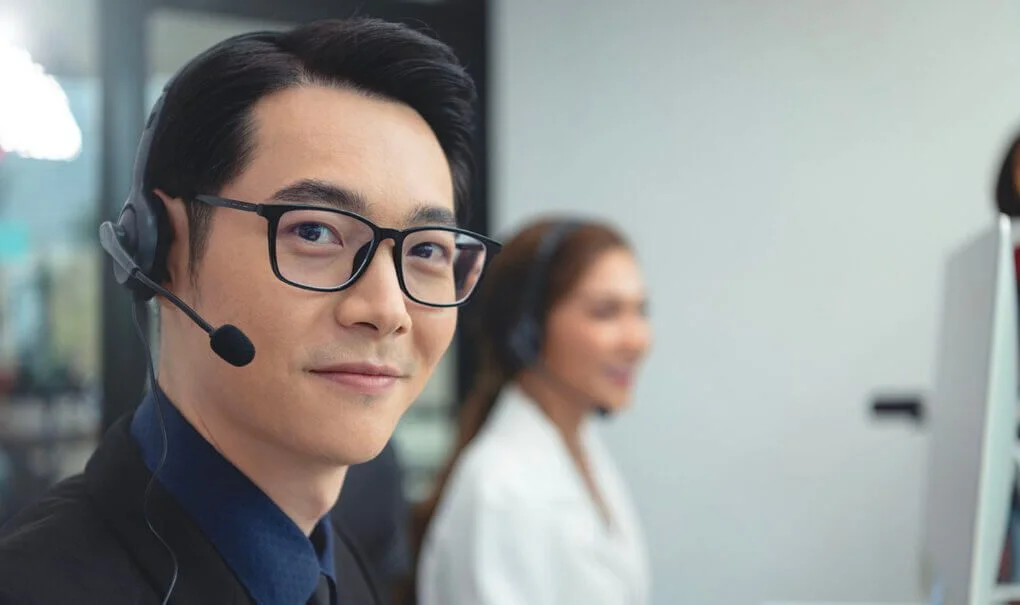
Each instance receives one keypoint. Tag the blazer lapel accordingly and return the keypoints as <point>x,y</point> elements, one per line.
<point>356,585</point>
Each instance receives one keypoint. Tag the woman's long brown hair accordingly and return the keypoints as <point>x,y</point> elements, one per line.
<point>495,311</point>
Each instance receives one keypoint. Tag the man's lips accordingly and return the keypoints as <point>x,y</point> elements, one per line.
<point>363,378</point>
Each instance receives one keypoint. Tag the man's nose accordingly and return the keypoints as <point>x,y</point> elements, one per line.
<point>375,301</point>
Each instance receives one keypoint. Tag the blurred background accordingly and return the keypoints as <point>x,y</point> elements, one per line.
<point>793,174</point>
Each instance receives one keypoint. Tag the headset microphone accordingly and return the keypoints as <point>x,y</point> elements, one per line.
<point>227,341</point>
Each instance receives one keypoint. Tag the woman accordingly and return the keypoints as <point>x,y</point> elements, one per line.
<point>531,509</point>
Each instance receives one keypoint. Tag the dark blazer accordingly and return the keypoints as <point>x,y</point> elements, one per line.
<point>86,542</point>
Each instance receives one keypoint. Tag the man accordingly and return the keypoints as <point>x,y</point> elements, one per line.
<point>305,184</point>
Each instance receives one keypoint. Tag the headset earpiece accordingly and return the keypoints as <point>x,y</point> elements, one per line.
<point>143,228</point>
<point>525,342</point>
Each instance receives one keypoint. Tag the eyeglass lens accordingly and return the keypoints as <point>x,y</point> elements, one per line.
<point>321,249</point>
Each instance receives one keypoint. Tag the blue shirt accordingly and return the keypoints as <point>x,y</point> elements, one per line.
<point>274,560</point>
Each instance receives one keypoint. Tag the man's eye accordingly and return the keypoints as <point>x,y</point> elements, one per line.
<point>430,251</point>
<point>316,233</point>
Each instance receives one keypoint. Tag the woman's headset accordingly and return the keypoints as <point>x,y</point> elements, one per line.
<point>524,340</point>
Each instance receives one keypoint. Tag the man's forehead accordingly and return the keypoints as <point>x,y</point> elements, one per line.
<point>301,112</point>
<point>342,149</point>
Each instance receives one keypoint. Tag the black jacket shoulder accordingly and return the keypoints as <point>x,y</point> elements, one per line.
<point>60,551</point>
<point>87,541</point>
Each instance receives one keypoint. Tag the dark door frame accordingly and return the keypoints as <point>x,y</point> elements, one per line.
<point>123,44</point>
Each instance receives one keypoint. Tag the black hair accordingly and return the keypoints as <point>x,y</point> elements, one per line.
<point>205,138</point>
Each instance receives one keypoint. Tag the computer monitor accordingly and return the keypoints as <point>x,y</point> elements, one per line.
<point>973,422</point>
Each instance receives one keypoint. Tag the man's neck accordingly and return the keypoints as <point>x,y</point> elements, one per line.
<point>305,490</point>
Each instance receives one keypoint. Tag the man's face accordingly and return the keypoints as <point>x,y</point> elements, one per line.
<point>296,393</point>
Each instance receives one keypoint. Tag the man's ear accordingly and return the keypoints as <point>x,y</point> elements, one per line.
<point>177,258</point>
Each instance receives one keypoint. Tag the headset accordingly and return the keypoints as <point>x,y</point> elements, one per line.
<point>524,341</point>
<point>138,244</point>
<point>140,239</point>
<point>525,337</point>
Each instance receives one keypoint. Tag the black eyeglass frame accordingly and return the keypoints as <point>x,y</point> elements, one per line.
<point>273,212</point>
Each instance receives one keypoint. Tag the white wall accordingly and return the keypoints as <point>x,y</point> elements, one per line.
<point>794,174</point>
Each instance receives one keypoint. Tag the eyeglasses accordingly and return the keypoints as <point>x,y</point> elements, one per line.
<point>327,250</point>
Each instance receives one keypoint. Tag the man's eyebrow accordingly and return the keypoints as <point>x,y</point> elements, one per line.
<point>322,193</point>
<point>428,214</point>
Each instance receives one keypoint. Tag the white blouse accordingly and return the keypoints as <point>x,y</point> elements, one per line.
<point>517,525</point>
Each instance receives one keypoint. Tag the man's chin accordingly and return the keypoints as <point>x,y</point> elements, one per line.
<point>350,427</point>
<point>355,451</point>
<point>355,437</point>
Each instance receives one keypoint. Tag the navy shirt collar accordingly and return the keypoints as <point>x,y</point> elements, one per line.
<point>268,552</point>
